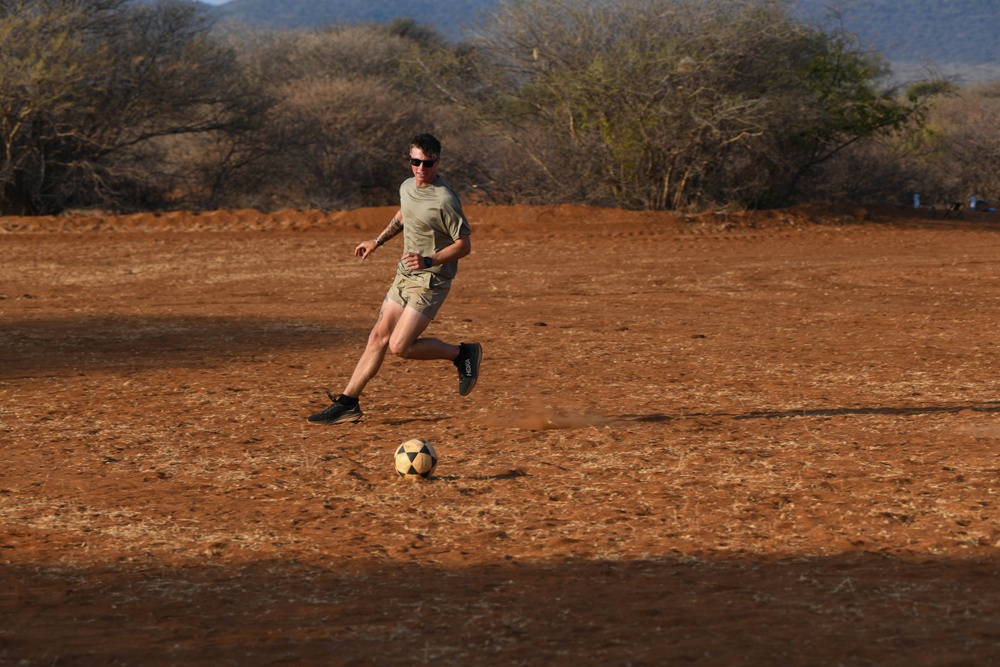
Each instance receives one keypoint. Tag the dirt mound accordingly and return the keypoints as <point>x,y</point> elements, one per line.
<point>372,218</point>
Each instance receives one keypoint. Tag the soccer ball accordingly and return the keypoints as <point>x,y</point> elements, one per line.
<point>416,458</point>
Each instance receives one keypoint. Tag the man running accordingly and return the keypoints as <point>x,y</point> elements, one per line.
<point>435,236</point>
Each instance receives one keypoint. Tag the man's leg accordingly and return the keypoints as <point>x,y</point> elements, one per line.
<point>378,343</point>
<point>345,407</point>
<point>398,329</point>
<point>406,343</point>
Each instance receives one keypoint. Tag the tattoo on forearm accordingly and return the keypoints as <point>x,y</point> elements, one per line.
<point>395,227</point>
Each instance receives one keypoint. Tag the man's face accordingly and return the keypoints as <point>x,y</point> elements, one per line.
<point>422,171</point>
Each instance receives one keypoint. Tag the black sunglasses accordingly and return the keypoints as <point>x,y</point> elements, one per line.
<point>427,163</point>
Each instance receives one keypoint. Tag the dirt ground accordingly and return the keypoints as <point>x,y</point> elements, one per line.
<point>725,439</point>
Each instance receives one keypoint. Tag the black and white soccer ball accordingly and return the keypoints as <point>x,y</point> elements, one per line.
<point>416,459</point>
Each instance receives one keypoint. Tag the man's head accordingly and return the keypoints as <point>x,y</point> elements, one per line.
<point>425,155</point>
<point>428,144</point>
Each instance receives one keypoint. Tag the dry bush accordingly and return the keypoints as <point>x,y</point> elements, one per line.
<point>359,132</point>
<point>344,52</point>
<point>954,155</point>
<point>91,91</point>
<point>345,102</point>
<point>963,147</point>
<point>880,170</point>
<point>326,144</point>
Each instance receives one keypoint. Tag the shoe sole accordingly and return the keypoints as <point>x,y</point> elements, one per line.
<point>478,363</point>
<point>344,419</point>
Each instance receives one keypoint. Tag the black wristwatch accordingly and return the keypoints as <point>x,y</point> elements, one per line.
<point>428,262</point>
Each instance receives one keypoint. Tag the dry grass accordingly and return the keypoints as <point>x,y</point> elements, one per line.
<point>712,448</point>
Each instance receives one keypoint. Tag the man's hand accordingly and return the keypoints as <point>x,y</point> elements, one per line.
<point>413,261</point>
<point>365,249</point>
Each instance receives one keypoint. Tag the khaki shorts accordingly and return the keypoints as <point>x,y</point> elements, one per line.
<point>416,294</point>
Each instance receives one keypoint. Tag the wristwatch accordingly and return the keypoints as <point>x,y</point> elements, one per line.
<point>428,262</point>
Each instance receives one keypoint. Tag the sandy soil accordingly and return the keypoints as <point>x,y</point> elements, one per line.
<point>752,439</point>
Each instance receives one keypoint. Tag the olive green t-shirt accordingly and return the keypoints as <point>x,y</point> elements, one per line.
<point>432,220</point>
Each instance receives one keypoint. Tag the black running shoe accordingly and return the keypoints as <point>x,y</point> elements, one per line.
<point>337,413</point>
<point>470,356</point>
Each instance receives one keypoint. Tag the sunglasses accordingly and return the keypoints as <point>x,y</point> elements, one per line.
<point>426,163</point>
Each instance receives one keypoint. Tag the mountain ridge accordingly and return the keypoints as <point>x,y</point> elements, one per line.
<point>919,32</point>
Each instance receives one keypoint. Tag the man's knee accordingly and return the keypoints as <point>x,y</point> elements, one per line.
<point>378,339</point>
<point>401,348</point>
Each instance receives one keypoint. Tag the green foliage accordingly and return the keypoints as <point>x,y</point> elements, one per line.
<point>674,104</point>
<point>929,89</point>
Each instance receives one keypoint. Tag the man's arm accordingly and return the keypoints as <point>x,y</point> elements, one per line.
<point>451,253</point>
<point>395,226</point>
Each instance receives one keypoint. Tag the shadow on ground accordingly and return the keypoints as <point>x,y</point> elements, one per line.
<point>854,609</point>
<point>987,406</point>
<point>56,346</point>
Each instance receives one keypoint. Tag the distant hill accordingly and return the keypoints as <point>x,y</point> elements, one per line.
<point>915,32</point>
<point>939,31</point>
<point>447,17</point>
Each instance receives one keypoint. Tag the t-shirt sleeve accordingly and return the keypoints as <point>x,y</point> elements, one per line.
<point>454,218</point>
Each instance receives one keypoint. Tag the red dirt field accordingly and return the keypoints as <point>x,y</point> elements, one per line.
<point>726,439</point>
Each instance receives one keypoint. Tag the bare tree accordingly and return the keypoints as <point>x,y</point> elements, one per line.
<point>89,90</point>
